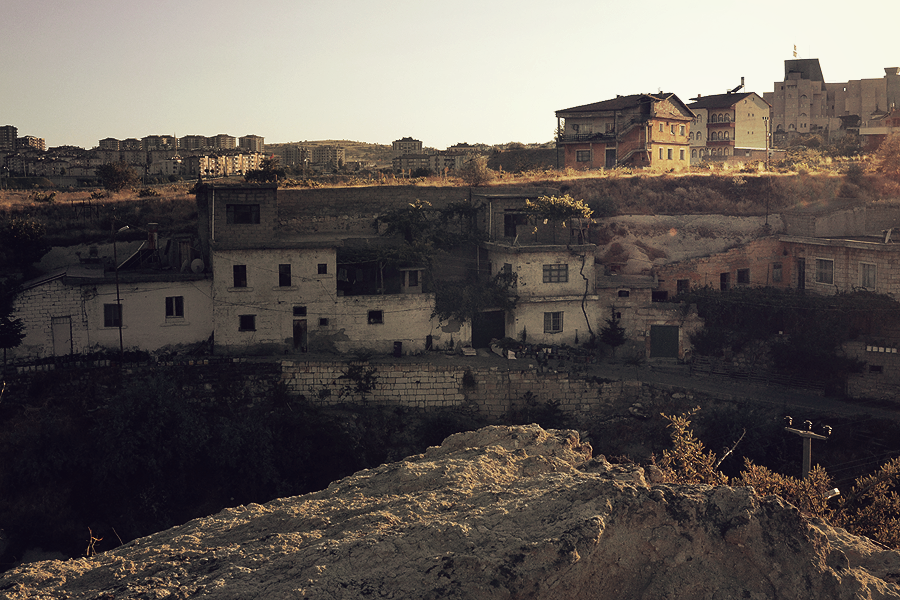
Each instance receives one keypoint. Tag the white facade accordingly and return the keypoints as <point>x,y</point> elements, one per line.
<point>66,313</point>
<point>552,282</point>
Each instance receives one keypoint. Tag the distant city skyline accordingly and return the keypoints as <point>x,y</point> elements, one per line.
<point>479,72</point>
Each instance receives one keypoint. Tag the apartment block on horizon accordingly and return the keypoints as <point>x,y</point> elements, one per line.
<point>637,131</point>
<point>253,143</point>
<point>405,145</point>
<point>8,136</point>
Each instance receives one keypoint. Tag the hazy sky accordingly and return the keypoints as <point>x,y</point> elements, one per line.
<point>493,71</point>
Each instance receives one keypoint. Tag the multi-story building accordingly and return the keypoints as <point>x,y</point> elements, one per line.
<point>192,142</point>
<point>29,141</point>
<point>405,145</point>
<point>109,144</point>
<point>803,103</point>
<point>732,126</point>
<point>159,142</point>
<point>8,137</point>
<point>434,163</point>
<point>328,156</point>
<point>223,141</point>
<point>253,143</point>
<point>293,156</point>
<point>131,144</point>
<point>641,130</point>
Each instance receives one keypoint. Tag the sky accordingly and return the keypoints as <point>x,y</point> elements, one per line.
<point>479,71</point>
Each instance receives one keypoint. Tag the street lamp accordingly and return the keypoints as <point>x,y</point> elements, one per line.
<point>118,298</point>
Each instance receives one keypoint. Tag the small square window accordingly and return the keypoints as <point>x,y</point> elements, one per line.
<point>743,276</point>
<point>583,156</point>
<point>376,317</point>
<point>323,268</point>
<point>242,214</point>
<point>284,275</point>
<point>299,311</point>
<point>112,315</point>
<point>240,275</point>
<point>323,322</point>
<point>556,273</point>
<point>246,322</point>
<point>553,322</point>
<point>624,293</point>
<point>175,306</point>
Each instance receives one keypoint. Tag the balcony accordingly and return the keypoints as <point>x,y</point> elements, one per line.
<point>586,137</point>
<point>722,125</point>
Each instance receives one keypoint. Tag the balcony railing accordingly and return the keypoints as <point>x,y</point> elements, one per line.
<point>587,137</point>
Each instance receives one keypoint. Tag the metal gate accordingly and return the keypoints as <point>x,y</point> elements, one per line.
<point>663,341</point>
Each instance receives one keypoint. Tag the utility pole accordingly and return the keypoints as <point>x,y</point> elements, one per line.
<point>808,436</point>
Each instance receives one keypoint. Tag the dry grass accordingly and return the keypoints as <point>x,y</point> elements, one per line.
<point>75,218</point>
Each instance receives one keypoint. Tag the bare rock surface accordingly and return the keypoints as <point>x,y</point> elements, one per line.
<point>502,512</point>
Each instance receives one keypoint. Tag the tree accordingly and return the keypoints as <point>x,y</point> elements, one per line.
<point>23,242</point>
<point>268,171</point>
<point>117,176</point>
<point>613,334</point>
<point>558,210</point>
<point>476,172</point>
<point>888,156</point>
<point>12,329</point>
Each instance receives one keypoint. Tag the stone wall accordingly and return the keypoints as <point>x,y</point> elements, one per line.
<point>493,392</point>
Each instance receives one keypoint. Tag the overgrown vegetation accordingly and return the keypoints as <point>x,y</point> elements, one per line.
<point>871,508</point>
<point>805,331</point>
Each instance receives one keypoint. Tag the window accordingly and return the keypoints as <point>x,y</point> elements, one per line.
<point>624,293</point>
<point>672,129</point>
<point>660,154</point>
<point>693,153</point>
<point>699,136</point>
<point>583,155</point>
<point>246,322</point>
<point>376,317</point>
<point>413,279</point>
<point>242,214</point>
<point>683,286</point>
<point>682,130</point>
<point>743,276</point>
<point>323,268</point>
<point>112,315</point>
<point>610,128</point>
<point>323,322</point>
<point>284,275</point>
<point>660,127</point>
<point>669,154</point>
<point>553,322</point>
<point>681,154</point>
<point>867,276</point>
<point>240,276</point>
<point>776,273</point>
<point>175,306</point>
<point>824,271</point>
<point>299,311</point>
<point>556,273</point>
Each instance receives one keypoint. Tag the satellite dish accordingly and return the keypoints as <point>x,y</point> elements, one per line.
<point>197,265</point>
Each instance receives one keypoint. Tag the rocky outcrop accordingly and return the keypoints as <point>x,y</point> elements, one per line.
<point>502,512</point>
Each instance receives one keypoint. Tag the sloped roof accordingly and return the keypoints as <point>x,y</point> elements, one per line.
<point>720,100</point>
<point>623,102</point>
